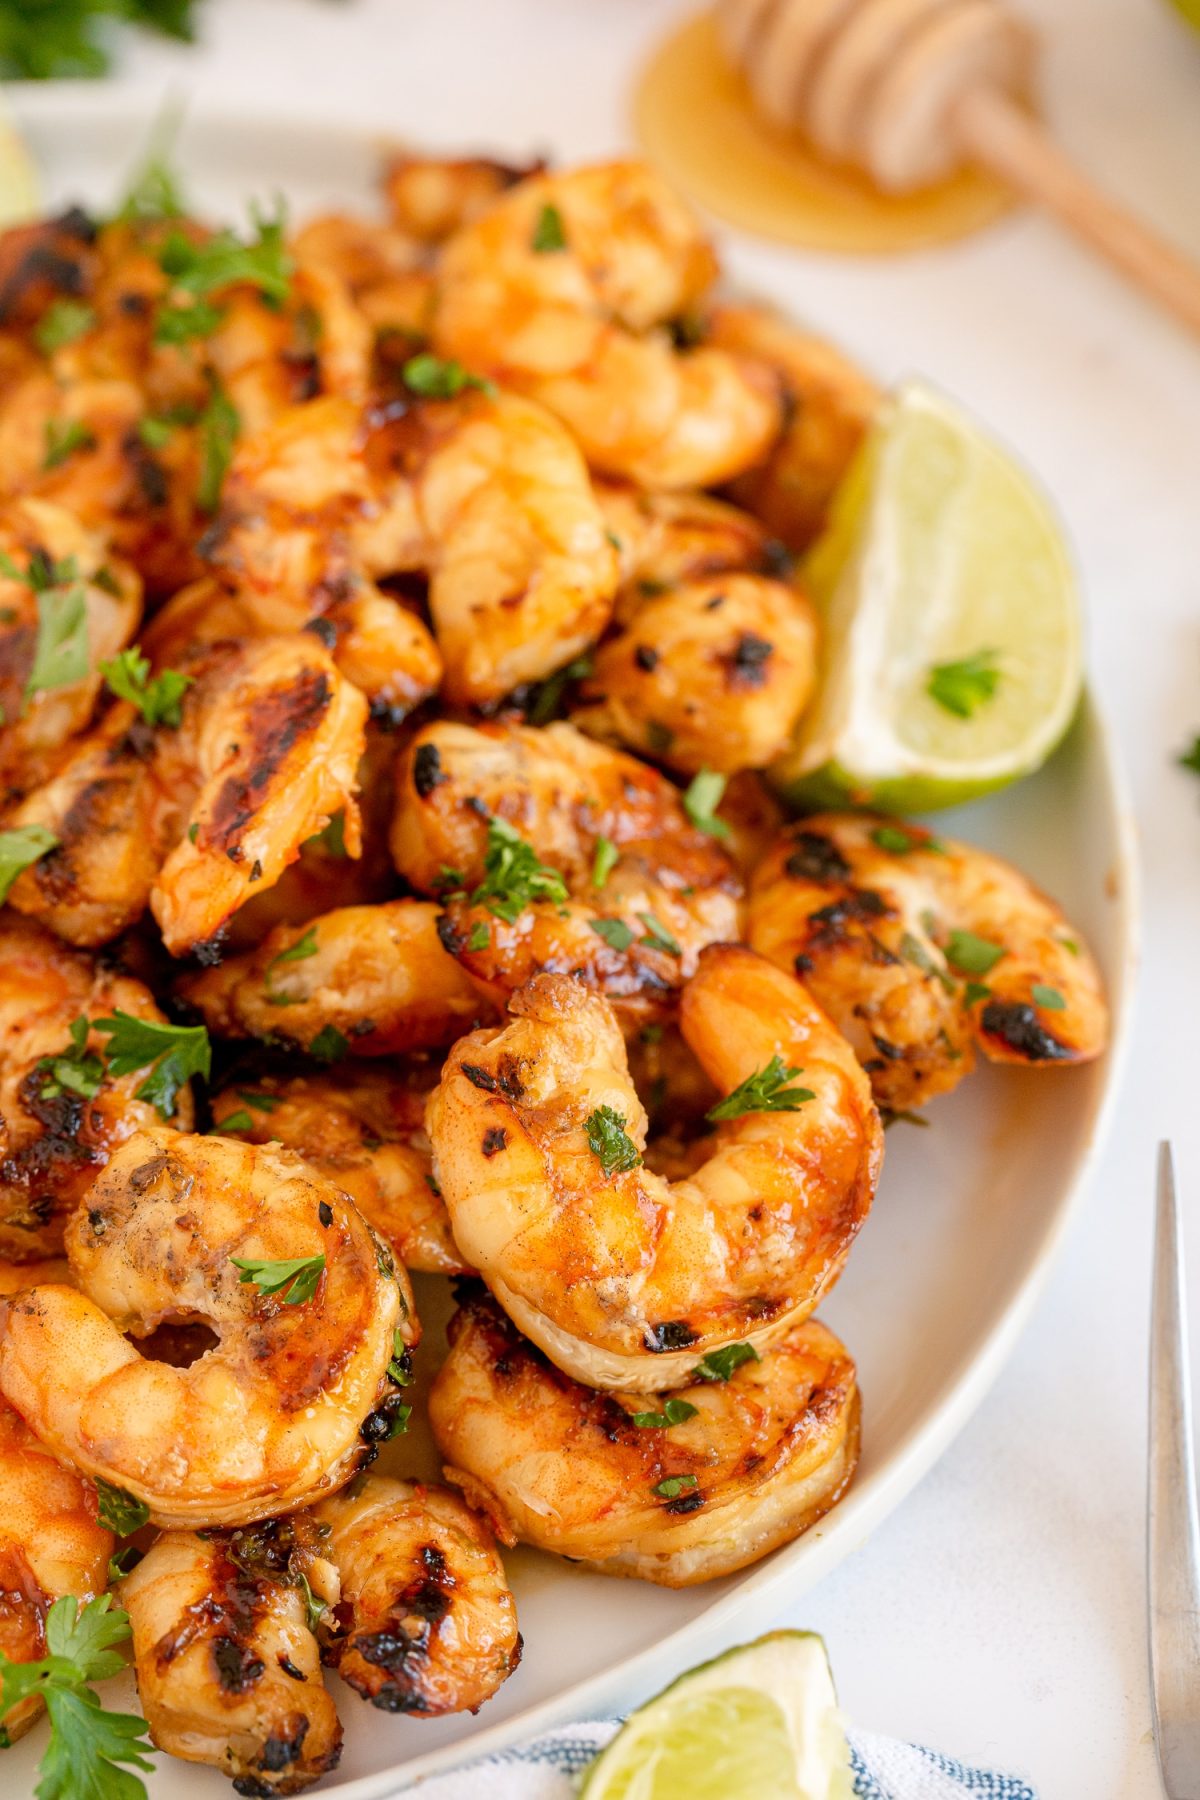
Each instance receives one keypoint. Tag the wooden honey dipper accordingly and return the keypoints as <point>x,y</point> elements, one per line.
<point>907,90</point>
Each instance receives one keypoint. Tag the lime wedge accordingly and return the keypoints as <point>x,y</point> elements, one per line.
<point>759,1723</point>
<point>952,661</point>
<point>20,197</point>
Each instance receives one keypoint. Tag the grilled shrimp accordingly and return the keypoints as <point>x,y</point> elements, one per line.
<point>426,1623</point>
<point>429,197</point>
<point>612,1480</point>
<point>665,539</point>
<point>53,572</point>
<point>376,977</point>
<point>634,930</point>
<point>364,1129</point>
<point>920,948</point>
<point>561,290</point>
<point>62,1114</point>
<point>712,673</point>
<point>830,403</point>
<point>51,1544</point>
<point>197,820</point>
<point>287,1403</point>
<point>623,1279</point>
<point>228,1669</point>
<point>486,494</point>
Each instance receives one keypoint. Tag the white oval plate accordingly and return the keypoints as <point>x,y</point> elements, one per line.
<point>969,1211</point>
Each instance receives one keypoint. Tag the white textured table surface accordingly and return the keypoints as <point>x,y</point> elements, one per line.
<point>998,1614</point>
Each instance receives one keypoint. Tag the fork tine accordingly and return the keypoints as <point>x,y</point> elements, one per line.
<point>1173,1587</point>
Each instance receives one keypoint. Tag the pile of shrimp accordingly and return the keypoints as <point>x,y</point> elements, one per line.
<point>397,619</point>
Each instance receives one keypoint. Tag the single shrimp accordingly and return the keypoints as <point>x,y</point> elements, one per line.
<point>62,1113</point>
<point>364,1129</point>
<point>714,673</point>
<point>196,820</point>
<point>562,290</point>
<point>829,405</point>
<point>615,1480</point>
<point>623,1279</point>
<point>375,977</point>
<point>631,923</point>
<point>51,1544</point>
<point>289,1402</point>
<point>665,539</point>
<point>228,1667</point>
<point>920,948</point>
<point>426,1623</point>
<point>66,606</point>
<point>429,197</point>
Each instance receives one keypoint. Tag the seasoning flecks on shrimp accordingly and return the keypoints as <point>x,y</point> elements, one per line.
<point>623,1279</point>
<point>288,1403</point>
<point>741,1462</point>
<point>62,1112</point>
<point>362,1127</point>
<point>579,324</point>
<point>425,1623</point>
<point>921,948</point>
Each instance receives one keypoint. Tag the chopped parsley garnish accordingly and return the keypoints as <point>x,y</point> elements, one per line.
<point>122,1561</point>
<point>1190,759</point>
<point>513,877</point>
<point>674,1412</point>
<point>399,1421</point>
<point>963,687</point>
<point>701,800</point>
<point>260,1102</point>
<point>219,425</point>
<point>609,1141</point>
<point>221,261</point>
<point>898,841</point>
<point>154,432</point>
<point>294,1281</point>
<point>764,1091</point>
<point>62,322</point>
<point>304,947</point>
<point>615,932</point>
<point>314,1609</point>
<point>658,937</point>
<point>546,698</point>
<point>481,936</point>
<point>437,379</point>
<point>20,847</point>
<point>671,1485</point>
<point>329,1046</point>
<point>1071,946</point>
<point>605,858</point>
<point>120,1511</point>
<point>719,1365</point>
<point>972,955</point>
<point>548,233</point>
<point>63,438</point>
<point>77,1070</point>
<point>974,991</point>
<point>87,1745</point>
<point>179,324</point>
<point>239,1120</point>
<point>60,655</point>
<point>172,1053</point>
<point>400,1366</point>
<point>1048,998</point>
<point>154,194</point>
<point>157,698</point>
<point>915,952</point>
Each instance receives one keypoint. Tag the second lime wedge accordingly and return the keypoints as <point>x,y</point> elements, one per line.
<point>952,660</point>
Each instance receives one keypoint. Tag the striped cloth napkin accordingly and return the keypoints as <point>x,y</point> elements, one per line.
<point>884,1769</point>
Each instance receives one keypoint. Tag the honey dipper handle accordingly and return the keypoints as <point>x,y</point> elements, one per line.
<point>999,135</point>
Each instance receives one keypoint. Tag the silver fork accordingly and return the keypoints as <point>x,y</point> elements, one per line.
<point>1172,1578</point>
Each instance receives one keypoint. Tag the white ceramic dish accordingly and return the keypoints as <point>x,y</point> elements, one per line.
<point>969,1212</point>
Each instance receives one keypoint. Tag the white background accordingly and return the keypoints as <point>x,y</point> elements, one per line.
<point>999,1614</point>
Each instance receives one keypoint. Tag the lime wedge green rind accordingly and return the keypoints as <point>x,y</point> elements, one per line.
<point>760,1722</point>
<point>940,547</point>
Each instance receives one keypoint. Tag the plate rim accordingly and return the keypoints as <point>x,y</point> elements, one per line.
<point>136,105</point>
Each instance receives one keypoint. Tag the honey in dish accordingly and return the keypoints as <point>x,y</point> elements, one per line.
<point>696,121</point>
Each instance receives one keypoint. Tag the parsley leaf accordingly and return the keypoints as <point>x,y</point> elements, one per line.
<point>219,425</point>
<point>914,951</point>
<point>615,932</point>
<point>70,37</point>
<point>1048,998</point>
<point>481,936</point>
<point>77,1070</point>
<point>671,1485</point>
<point>1190,759</point>
<point>60,655</point>
<point>224,260</point>
<point>329,1046</point>
<point>674,1412</point>
<point>972,955</point>
<point>172,1054</point>
<point>63,438</point>
<point>239,1120</point>
<point>300,951</point>
<point>260,1102</point>
<point>314,1609</point>
<point>513,877</point>
<point>658,937</point>
<point>975,991</point>
<point>119,1510</point>
<point>546,698</point>
<point>178,323</point>
<point>62,322</point>
<point>298,1276</point>
<point>400,1366</point>
<point>963,687</point>
<point>548,233</point>
<point>898,840</point>
<point>158,699</point>
<point>153,195</point>
<point>605,858</point>
<point>719,1365</point>
<point>20,847</point>
<point>609,1141</point>
<point>436,379</point>
<point>701,801</point>
<point>764,1091</point>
